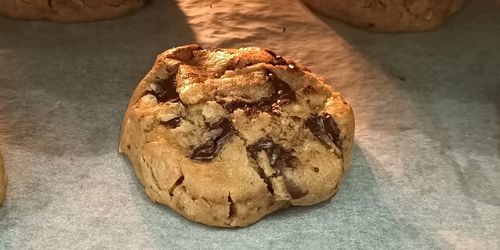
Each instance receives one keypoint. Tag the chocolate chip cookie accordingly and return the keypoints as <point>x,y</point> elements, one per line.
<point>68,10</point>
<point>3,180</point>
<point>389,16</point>
<point>226,136</point>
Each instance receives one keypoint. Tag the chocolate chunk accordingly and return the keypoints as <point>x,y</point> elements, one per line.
<point>279,157</point>
<point>177,183</point>
<point>165,90</point>
<point>278,60</point>
<point>232,106</point>
<point>208,150</point>
<point>267,180</point>
<point>282,95</point>
<point>270,52</point>
<point>172,123</point>
<point>205,152</point>
<point>325,129</point>
<point>232,207</point>
<point>293,66</point>
<point>250,111</point>
<point>293,189</point>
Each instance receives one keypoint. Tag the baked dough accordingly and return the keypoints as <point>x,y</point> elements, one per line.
<point>389,15</point>
<point>68,10</point>
<point>227,136</point>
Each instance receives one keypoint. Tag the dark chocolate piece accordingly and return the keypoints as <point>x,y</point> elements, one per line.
<point>278,60</point>
<point>172,123</point>
<point>267,180</point>
<point>325,129</point>
<point>250,111</point>
<point>208,150</point>
<point>270,52</point>
<point>232,207</point>
<point>165,90</point>
<point>293,189</point>
<point>176,184</point>
<point>282,95</point>
<point>279,157</point>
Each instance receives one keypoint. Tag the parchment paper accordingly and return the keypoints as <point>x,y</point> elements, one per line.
<point>426,167</point>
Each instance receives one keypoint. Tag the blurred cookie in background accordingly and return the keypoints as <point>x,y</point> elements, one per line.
<point>68,10</point>
<point>389,16</point>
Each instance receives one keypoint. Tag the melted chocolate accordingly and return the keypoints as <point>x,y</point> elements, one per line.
<point>280,61</point>
<point>267,180</point>
<point>282,94</point>
<point>325,129</point>
<point>165,90</point>
<point>208,150</point>
<point>271,52</point>
<point>250,111</point>
<point>293,189</point>
<point>173,123</point>
<point>277,60</point>
<point>279,157</point>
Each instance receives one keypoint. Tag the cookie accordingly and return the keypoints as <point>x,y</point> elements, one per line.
<point>3,181</point>
<point>68,10</point>
<point>226,136</point>
<point>389,16</point>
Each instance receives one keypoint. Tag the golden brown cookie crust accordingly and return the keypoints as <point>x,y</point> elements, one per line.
<point>68,10</point>
<point>231,142</point>
<point>389,16</point>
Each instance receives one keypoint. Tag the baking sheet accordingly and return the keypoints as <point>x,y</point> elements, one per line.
<point>426,165</point>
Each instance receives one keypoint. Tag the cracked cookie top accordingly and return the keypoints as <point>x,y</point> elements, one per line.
<point>245,116</point>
